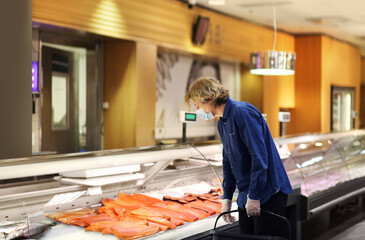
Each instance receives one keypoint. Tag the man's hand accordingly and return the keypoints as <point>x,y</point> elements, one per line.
<point>226,206</point>
<point>253,207</point>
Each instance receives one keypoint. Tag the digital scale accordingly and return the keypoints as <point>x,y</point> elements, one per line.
<point>184,118</point>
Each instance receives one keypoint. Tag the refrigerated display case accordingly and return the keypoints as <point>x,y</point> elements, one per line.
<point>328,167</point>
<point>323,169</point>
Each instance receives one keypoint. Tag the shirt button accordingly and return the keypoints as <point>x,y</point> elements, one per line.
<point>224,123</point>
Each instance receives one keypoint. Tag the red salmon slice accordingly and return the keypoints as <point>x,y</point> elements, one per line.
<point>184,208</point>
<point>216,206</point>
<point>148,211</point>
<point>147,199</point>
<point>176,221</point>
<point>161,226</point>
<point>200,196</point>
<point>160,220</point>
<point>87,221</point>
<point>129,231</point>
<point>100,226</point>
<point>200,205</point>
<point>68,216</point>
<point>185,216</point>
<point>128,200</point>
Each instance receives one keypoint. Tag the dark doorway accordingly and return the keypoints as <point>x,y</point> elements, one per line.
<point>59,121</point>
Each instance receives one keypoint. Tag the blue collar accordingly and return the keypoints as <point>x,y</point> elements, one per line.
<point>227,107</point>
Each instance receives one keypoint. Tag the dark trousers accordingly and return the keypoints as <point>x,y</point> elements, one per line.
<point>266,224</point>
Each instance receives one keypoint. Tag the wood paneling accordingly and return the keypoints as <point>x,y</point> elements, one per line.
<point>307,112</point>
<point>162,23</point>
<point>340,67</point>
<point>362,95</point>
<point>120,92</point>
<point>129,88</point>
<point>251,88</point>
<point>146,94</point>
<point>165,23</point>
<point>321,63</point>
<point>278,93</point>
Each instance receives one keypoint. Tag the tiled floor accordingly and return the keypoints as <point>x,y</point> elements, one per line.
<point>356,232</point>
<point>348,225</point>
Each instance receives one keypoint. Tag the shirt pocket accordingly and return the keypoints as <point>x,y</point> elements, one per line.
<point>234,141</point>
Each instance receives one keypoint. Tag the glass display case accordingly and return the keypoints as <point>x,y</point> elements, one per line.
<point>319,162</point>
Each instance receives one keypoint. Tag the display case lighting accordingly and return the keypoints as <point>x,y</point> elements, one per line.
<point>318,144</point>
<point>217,2</point>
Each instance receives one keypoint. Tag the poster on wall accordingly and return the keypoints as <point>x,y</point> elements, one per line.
<point>175,73</point>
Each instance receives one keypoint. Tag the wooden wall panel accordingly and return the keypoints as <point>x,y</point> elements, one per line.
<point>146,94</point>
<point>251,88</point>
<point>362,95</point>
<point>120,92</point>
<point>306,116</point>
<point>166,23</point>
<point>340,67</point>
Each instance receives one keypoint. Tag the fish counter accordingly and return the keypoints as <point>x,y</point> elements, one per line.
<point>323,169</point>
<point>133,216</point>
<point>49,185</point>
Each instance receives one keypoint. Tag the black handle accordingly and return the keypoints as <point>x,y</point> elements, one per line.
<point>262,211</point>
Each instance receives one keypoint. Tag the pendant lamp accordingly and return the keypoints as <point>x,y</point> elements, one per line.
<point>273,62</point>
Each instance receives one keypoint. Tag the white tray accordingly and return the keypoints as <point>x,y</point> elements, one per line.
<point>102,171</point>
<point>100,181</point>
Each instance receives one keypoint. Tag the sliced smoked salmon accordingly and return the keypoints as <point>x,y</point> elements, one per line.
<point>202,206</point>
<point>183,208</point>
<point>146,199</point>
<point>89,220</point>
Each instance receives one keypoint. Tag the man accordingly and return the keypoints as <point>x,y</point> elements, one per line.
<point>250,159</point>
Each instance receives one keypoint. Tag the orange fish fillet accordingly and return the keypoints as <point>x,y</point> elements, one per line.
<point>216,206</point>
<point>87,221</point>
<point>67,217</point>
<point>129,231</point>
<point>184,208</point>
<point>160,220</point>
<point>147,199</point>
<point>176,213</point>
<point>202,206</point>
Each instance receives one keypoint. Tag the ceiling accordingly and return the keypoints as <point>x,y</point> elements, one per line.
<point>342,19</point>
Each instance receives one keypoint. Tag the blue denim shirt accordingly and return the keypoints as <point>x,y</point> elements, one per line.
<point>251,161</point>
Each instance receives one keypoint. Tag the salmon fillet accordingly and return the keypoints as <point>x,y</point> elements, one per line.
<point>202,206</point>
<point>128,231</point>
<point>67,217</point>
<point>160,220</point>
<point>176,213</point>
<point>216,206</point>
<point>184,208</point>
<point>146,199</point>
<point>87,221</point>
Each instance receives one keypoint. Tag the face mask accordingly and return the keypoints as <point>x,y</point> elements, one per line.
<point>203,115</point>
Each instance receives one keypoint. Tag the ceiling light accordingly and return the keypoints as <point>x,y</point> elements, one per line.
<point>217,2</point>
<point>273,62</point>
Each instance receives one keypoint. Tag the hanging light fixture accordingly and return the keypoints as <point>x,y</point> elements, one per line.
<point>273,62</point>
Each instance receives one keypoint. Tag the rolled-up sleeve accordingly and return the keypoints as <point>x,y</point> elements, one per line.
<point>251,132</point>
<point>229,183</point>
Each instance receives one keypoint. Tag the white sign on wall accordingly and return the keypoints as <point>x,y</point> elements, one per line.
<point>175,73</point>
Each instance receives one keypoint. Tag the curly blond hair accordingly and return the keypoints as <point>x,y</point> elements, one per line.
<point>206,89</point>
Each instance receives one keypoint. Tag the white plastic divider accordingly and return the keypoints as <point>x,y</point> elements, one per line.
<point>29,169</point>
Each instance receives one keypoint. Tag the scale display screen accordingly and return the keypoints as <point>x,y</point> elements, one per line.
<point>190,117</point>
<point>35,88</point>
